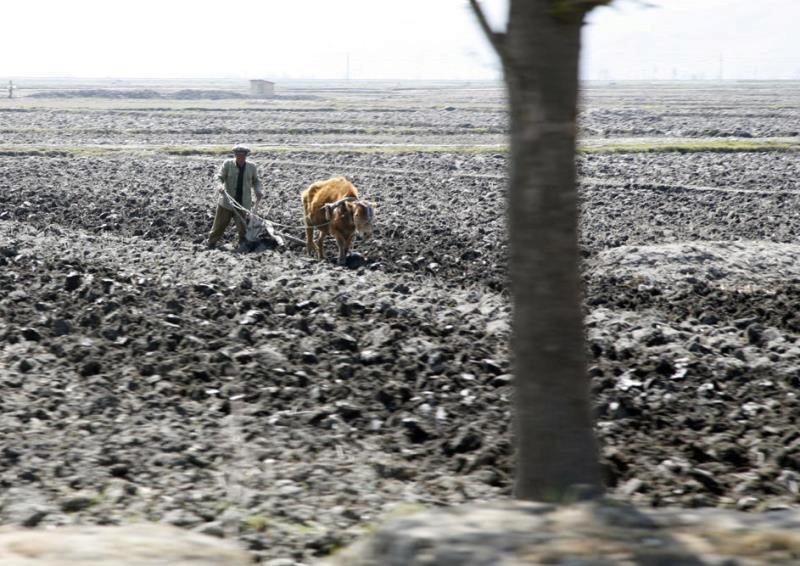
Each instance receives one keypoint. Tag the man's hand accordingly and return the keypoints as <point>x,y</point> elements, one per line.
<point>221,190</point>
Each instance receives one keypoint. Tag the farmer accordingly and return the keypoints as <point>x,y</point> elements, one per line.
<point>239,179</point>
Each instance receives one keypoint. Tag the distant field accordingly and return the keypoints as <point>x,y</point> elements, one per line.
<point>460,116</point>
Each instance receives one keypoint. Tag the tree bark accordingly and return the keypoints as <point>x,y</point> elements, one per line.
<point>556,450</point>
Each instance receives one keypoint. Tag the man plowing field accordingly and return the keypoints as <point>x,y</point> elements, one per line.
<point>239,181</point>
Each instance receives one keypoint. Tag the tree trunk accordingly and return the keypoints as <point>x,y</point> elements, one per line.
<point>556,450</point>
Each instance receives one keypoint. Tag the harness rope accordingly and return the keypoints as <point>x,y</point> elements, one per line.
<point>238,207</point>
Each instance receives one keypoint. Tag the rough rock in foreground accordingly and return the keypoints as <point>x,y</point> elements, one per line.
<point>521,533</point>
<point>132,545</point>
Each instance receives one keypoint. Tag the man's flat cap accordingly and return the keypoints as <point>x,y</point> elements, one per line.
<point>241,149</point>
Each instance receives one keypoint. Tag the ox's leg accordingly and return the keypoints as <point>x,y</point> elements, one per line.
<point>341,243</point>
<point>309,240</point>
<point>348,245</point>
<point>320,244</point>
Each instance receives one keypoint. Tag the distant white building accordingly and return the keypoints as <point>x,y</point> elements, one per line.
<point>259,87</point>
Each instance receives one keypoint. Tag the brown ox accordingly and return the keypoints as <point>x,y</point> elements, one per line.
<point>332,207</point>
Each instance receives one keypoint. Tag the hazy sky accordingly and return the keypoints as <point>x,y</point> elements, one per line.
<point>382,39</point>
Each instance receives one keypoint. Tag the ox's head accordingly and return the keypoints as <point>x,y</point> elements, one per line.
<point>357,214</point>
<point>363,217</point>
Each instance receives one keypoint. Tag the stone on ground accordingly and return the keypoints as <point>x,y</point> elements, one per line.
<point>143,544</point>
<point>516,533</point>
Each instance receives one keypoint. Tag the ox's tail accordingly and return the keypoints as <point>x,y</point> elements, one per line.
<point>304,200</point>
<point>306,197</point>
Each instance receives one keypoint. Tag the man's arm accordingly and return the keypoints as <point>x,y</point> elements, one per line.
<point>257,187</point>
<point>223,176</point>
